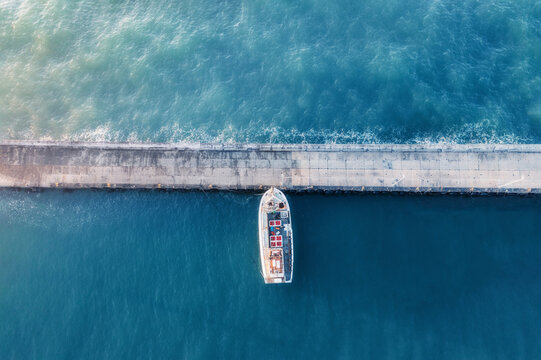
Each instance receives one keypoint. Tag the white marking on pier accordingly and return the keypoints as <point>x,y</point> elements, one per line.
<point>399,180</point>
<point>511,182</point>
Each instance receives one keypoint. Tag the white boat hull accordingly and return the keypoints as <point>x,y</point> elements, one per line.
<point>275,238</point>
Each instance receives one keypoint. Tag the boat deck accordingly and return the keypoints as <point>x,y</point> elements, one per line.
<point>286,238</point>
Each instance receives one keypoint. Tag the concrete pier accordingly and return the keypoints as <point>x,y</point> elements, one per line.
<point>376,167</point>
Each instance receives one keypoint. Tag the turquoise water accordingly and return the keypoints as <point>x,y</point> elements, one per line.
<point>158,275</point>
<point>267,71</point>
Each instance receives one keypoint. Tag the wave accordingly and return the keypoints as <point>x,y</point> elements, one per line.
<point>469,133</point>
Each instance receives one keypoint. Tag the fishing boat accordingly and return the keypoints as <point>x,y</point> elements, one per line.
<point>275,238</point>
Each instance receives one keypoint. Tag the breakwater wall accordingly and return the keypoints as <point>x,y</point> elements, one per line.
<point>374,167</point>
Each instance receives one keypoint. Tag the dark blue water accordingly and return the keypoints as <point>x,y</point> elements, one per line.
<point>108,275</point>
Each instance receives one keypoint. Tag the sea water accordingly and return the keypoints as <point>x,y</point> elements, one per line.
<point>138,275</point>
<point>154,275</point>
<point>268,71</point>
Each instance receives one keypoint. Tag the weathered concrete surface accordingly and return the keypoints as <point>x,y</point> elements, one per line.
<point>385,167</point>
